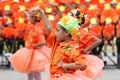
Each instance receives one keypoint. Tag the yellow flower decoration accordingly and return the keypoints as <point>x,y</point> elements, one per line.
<point>81,15</point>
<point>78,15</point>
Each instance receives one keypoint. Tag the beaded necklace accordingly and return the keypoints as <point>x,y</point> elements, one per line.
<point>65,49</point>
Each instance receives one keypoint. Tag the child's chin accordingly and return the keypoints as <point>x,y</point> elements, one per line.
<point>57,40</point>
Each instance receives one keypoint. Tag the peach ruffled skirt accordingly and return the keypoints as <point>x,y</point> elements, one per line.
<point>26,60</point>
<point>67,76</point>
<point>94,67</point>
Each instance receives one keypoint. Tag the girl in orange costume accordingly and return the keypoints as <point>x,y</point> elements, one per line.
<point>86,43</point>
<point>56,72</point>
<point>32,58</point>
<point>65,59</point>
<point>8,33</point>
<point>108,35</point>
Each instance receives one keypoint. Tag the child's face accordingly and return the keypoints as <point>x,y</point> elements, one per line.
<point>60,34</point>
<point>7,13</point>
<point>31,18</point>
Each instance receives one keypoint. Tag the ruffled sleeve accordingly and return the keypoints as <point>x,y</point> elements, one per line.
<point>85,39</point>
<point>90,39</point>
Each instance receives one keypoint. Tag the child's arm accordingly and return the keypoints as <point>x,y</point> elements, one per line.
<point>67,5</point>
<point>117,34</point>
<point>92,46</point>
<point>78,62</point>
<point>54,5</point>
<point>47,23</point>
<point>39,44</point>
<point>74,66</point>
<point>57,8</point>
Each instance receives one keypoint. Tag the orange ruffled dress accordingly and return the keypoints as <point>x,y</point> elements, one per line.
<point>59,54</point>
<point>30,59</point>
<point>94,64</point>
<point>69,56</point>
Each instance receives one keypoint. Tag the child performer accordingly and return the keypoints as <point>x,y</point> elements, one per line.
<point>34,57</point>
<point>108,36</point>
<point>87,40</point>
<point>65,59</point>
<point>85,43</point>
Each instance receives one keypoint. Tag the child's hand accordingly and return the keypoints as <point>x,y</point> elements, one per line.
<point>85,51</point>
<point>67,70</point>
<point>53,4</point>
<point>37,8</point>
<point>61,64</point>
<point>50,3</point>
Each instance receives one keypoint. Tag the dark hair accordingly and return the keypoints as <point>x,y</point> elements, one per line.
<point>81,19</point>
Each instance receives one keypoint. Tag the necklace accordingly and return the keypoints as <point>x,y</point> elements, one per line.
<point>65,49</point>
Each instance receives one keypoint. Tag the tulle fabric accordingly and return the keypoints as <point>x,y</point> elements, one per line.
<point>26,60</point>
<point>94,67</point>
<point>67,76</point>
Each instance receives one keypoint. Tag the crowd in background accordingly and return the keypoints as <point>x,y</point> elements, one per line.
<point>102,19</point>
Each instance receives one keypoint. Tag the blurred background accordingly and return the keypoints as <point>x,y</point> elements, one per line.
<point>102,19</point>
